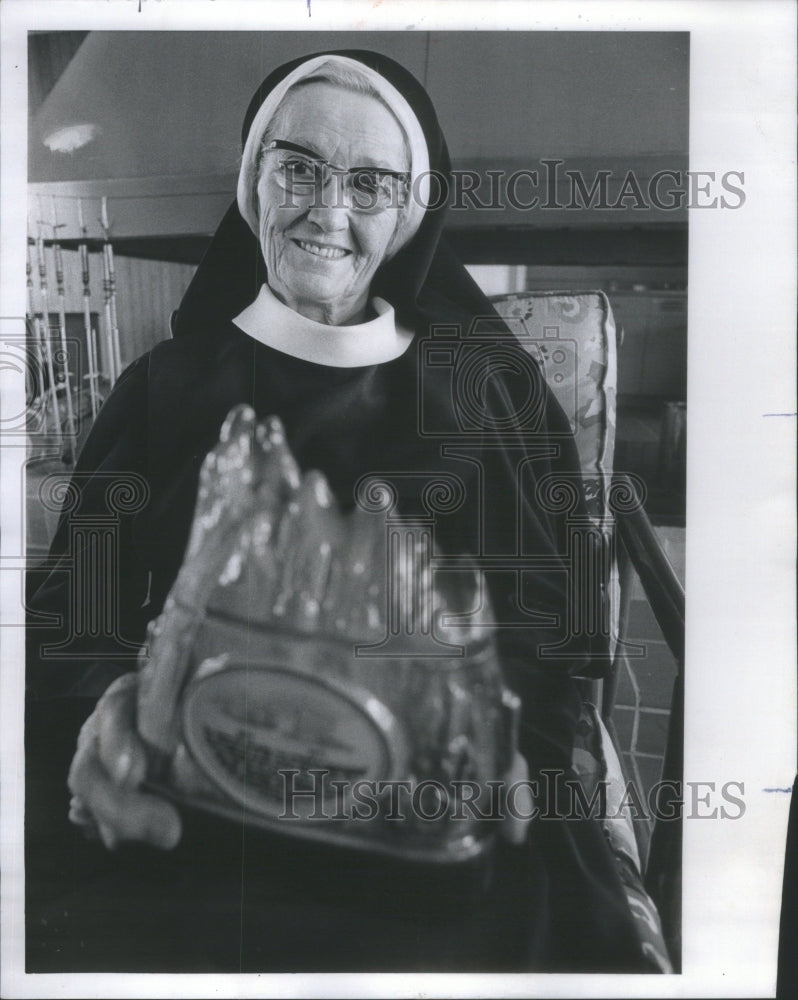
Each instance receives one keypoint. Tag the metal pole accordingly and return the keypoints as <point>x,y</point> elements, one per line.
<point>59,280</point>
<point>34,328</point>
<point>42,262</point>
<point>108,351</point>
<point>110,279</point>
<point>91,346</point>
<point>115,326</point>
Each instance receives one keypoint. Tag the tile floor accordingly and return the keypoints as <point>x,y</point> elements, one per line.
<point>645,683</point>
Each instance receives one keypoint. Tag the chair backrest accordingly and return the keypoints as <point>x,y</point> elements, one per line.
<point>573,337</point>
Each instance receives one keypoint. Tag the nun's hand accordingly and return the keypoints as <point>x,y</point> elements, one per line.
<point>109,765</point>
<point>517,808</point>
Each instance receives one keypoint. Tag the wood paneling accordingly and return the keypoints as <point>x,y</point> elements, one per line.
<point>146,294</point>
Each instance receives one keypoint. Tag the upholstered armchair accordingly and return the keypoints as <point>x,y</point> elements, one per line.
<point>573,336</point>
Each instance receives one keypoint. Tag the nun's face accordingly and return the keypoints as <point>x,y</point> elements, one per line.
<point>320,246</point>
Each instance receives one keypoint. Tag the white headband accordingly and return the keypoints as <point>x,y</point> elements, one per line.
<point>419,155</point>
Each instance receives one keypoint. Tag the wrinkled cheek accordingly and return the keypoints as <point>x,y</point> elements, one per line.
<point>373,262</point>
<point>383,243</point>
<point>365,268</point>
<point>268,243</point>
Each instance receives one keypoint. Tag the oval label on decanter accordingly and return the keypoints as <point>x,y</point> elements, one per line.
<point>288,745</point>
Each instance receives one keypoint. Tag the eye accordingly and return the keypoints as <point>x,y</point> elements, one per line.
<point>300,170</point>
<point>370,182</point>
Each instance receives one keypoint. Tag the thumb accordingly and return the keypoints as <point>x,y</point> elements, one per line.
<point>121,749</point>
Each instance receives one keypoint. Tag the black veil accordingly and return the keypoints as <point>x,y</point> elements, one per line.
<point>557,901</point>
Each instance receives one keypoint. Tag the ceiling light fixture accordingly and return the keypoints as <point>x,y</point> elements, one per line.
<point>71,138</point>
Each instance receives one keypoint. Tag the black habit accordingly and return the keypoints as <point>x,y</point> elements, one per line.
<point>231,898</point>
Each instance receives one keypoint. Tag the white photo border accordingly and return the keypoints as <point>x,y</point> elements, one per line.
<point>740,719</point>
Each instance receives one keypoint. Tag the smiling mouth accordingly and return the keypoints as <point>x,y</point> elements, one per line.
<point>327,253</point>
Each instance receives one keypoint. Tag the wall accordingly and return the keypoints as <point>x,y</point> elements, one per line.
<point>146,293</point>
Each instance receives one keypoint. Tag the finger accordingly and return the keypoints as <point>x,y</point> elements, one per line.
<point>88,731</point>
<point>121,749</point>
<point>108,836</point>
<point>78,813</point>
<point>121,814</point>
<point>80,816</point>
<point>516,823</point>
<point>128,815</point>
<point>87,745</point>
<point>89,831</point>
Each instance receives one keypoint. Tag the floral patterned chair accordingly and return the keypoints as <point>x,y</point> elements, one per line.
<point>573,337</point>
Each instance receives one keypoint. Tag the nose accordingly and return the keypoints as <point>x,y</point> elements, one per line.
<point>330,218</point>
<point>331,205</point>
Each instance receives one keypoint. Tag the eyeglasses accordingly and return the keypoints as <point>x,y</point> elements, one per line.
<point>371,189</point>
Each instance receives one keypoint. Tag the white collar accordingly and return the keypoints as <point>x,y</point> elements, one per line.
<point>272,323</point>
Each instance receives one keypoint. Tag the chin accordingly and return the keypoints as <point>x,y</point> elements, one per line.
<point>323,286</point>
<point>321,292</point>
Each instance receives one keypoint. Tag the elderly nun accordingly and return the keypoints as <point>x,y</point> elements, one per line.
<point>310,304</point>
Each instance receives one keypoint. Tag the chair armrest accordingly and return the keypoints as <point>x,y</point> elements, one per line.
<point>661,585</point>
<point>665,595</point>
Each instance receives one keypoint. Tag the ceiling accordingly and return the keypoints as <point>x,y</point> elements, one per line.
<point>171,103</point>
